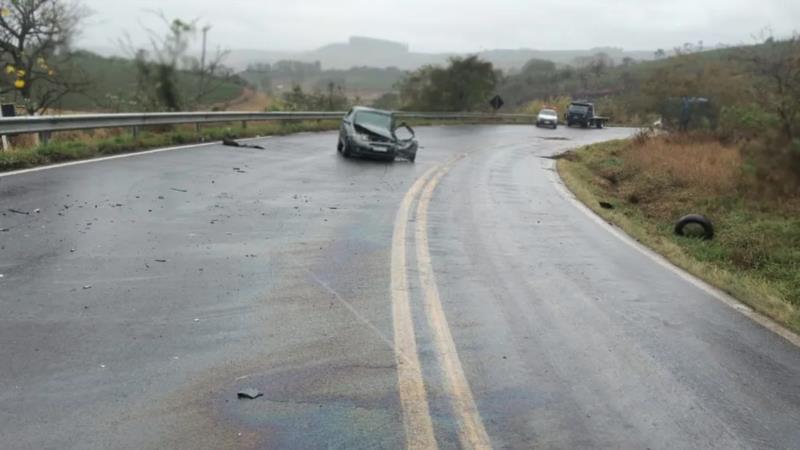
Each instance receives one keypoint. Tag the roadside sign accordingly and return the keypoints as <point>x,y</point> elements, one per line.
<point>497,102</point>
<point>7,110</point>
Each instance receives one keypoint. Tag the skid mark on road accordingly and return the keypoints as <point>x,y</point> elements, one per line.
<point>472,433</point>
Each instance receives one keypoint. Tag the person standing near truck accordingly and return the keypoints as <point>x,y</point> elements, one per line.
<point>686,114</point>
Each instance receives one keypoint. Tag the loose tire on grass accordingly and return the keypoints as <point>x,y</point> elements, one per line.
<point>708,228</point>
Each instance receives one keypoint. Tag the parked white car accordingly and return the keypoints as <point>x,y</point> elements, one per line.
<point>547,118</point>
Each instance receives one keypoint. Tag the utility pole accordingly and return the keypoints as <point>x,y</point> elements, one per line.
<point>203,57</point>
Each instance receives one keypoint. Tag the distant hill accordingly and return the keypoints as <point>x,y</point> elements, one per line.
<point>370,52</point>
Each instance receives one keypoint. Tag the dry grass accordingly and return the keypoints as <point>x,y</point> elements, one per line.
<point>705,165</point>
<point>755,255</point>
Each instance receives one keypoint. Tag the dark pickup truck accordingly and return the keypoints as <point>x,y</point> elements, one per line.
<point>584,114</point>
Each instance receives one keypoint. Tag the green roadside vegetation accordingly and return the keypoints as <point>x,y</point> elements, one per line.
<point>71,146</point>
<point>652,181</point>
<point>115,86</point>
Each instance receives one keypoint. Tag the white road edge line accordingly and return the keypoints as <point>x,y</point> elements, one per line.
<point>733,303</point>
<point>121,156</point>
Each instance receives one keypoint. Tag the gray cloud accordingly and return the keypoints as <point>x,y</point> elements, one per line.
<point>451,25</point>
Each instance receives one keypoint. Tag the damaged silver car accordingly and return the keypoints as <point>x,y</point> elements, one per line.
<point>374,133</point>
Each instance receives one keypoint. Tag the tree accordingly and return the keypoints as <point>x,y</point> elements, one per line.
<point>35,38</point>
<point>332,100</point>
<point>389,101</point>
<point>159,68</point>
<point>465,84</point>
<point>776,65</point>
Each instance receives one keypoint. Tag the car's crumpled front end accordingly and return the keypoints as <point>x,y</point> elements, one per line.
<point>377,142</point>
<point>371,142</point>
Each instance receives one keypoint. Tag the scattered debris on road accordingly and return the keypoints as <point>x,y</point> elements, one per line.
<point>249,394</point>
<point>16,211</point>
<point>87,287</point>
<point>230,142</point>
<point>3,230</point>
<point>606,205</point>
<point>161,260</point>
<point>178,190</point>
<point>569,156</point>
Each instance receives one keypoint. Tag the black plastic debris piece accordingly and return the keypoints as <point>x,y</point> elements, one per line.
<point>16,211</point>
<point>161,260</point>
<point>606,205</point>
<point>230,142</point>
<point>178,190</point>
<point>249,394</point>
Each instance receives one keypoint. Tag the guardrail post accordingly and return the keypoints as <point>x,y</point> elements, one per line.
<point>244,124</point>
<point>6,144</point>
<point>197,128</point>
<point>135,132</point>
<point>44,137</point>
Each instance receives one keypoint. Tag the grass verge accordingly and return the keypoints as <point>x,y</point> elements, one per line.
<point>72,146</point>
<point>755,255</point>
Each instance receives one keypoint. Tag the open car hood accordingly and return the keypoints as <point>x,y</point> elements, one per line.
<point>382,132</point>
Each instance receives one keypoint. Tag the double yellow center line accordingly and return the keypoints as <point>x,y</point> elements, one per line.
<point>411,384</point>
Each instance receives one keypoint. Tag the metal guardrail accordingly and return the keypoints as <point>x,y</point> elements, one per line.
<point>47,124</point>
<point>44,125</point>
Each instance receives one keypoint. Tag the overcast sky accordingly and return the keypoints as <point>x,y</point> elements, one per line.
<point>455,25</point>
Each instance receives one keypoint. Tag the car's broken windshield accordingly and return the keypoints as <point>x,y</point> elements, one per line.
<point>373,120</point>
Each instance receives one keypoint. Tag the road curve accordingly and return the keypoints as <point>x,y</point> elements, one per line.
<point>462,301</point>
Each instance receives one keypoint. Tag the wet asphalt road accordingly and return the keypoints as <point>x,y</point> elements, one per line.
<point>148,290</point>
